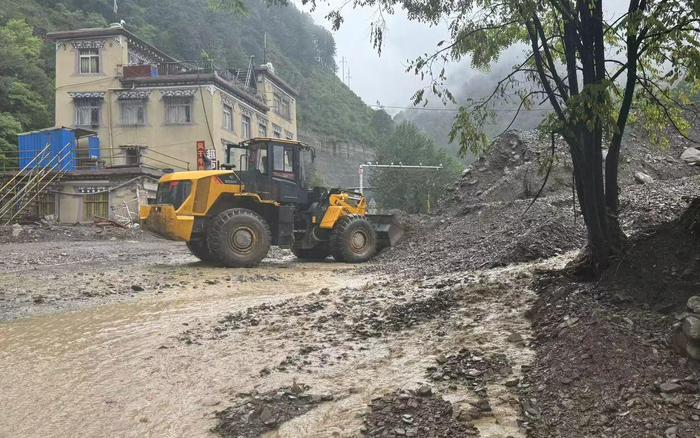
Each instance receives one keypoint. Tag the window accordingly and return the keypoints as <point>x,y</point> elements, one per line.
<point>262,130</point>
<point>282,106</point>
<point>245,126</point>
<point>173,192</point>
<point>228,118</point>
<point>45,205</point>
<point>87,112</point>
<point>178,110</point>
<point>262,161</point>
<point>96,204</point>
<point>283,159</point>
<point>89,61</point>
<point>276,131</point>
<point>133,112</point>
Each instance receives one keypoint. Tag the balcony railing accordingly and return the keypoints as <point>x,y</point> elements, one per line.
<point>117,157</point>
<point>235,78</point>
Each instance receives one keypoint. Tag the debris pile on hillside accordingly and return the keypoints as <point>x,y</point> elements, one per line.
<point>469,368</point>
<point>604,364</point>
<point>414,414</point>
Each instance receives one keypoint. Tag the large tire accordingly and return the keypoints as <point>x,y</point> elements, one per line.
<point>199,249</point>
<point>353,240</point>
<point>319,252</point>
<point>238,238</point>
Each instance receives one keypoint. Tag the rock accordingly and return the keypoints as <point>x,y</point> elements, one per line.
<point>670,387</point>
<point>514,337</point>
<point>693,350</point>
<point>694,304</point>
<point>16,230</point>
<point>671,432</point>
<point>267,416</point>
<point>512,382</point>
<point>137,288</point>
<point>643,178</point>
<point>691,327</point>
<point>691,156</point>
<point>424,391</point>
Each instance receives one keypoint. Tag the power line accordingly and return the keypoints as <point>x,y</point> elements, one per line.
<point>454,110</point>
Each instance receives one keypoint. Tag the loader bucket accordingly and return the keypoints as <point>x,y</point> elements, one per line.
<point>389,230</point>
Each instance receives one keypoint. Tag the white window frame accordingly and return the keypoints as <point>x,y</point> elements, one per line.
<point>245,126</point>
<point>227,112</point>
<point>262,129</point>
<point>129,105</point>
<point>179,110</point>
<point>88,110</point>
<point>90,55</point>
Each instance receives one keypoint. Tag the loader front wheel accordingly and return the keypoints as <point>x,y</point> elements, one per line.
<point>199,249</point>
<point>238,238</point>
<point>353,240</point>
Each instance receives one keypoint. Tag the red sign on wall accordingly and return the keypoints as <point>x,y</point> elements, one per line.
<point>201,155</point>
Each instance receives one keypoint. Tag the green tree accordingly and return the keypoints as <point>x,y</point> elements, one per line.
<point>24,86</point>
<point>411,190</point>
<point>594,69</point>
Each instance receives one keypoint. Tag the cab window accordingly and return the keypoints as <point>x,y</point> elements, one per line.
<point>283,161</point>
<point>173,192</point>
<point>262,161</point>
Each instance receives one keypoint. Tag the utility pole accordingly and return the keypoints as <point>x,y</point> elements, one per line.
<point>348,80</point>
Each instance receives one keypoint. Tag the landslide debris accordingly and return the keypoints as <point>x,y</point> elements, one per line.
<point>604,365</point>
<point>414,414</point>
<point>469,368</point>
<point>256,414</point>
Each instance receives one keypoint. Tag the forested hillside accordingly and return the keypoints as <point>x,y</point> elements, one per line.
<point>302,53</point>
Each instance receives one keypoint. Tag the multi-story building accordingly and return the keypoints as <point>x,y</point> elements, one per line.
<point>144,113</point>
<point>144,102</point>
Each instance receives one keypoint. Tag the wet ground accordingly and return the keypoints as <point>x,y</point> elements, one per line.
<point>136,338</point>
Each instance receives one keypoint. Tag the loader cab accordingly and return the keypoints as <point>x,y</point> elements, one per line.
<point>271,167</point>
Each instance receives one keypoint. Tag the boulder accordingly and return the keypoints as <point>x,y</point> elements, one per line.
<point>691,327</point>
<point>691,156</point>
<point>694,304</point>
<point>16,230</point>
<point>643,178</point>
<point>693,350</point>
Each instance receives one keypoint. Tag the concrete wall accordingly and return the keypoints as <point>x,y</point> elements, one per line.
<point>129,190</point>
<point>337,162</point>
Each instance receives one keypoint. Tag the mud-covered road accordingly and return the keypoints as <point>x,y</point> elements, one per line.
<point>136,338</point>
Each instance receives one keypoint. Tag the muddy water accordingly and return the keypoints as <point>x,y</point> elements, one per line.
<point>116,370</point>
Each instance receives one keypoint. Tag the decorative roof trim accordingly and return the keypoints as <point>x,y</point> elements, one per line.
<point>133,94</point>
<point>88,44</point>
<point>178,92</point>
<point>87,94</point>
<point>262,120</point>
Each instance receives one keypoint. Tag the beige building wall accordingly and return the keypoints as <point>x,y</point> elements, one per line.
<point>166,143</point>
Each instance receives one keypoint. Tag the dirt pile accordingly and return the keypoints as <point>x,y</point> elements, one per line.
<point>515,166</point>
<point>604,364</point>
<point>52,232</point>
<point>260,413</point>
<point>414,414</point>
<point>500,233</point>
<point>470,368</point>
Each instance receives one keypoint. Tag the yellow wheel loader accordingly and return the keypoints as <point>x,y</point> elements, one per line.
<point>231,217</point>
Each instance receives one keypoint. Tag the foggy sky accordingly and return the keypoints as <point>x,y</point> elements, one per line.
<point>383,78</point>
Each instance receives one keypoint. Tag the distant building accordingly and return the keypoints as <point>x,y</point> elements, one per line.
<point>126,113</point>
<point>131,93</point>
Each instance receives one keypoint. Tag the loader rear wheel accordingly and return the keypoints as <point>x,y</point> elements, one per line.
<point>353,240</point>
<point>199,249</point>
<point>316,253</point>
<point>238,238</point>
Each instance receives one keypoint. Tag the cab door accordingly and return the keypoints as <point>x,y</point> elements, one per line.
<point>285,173</point>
